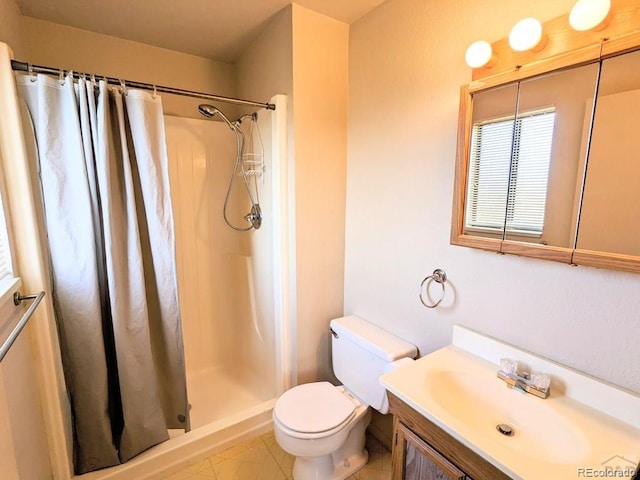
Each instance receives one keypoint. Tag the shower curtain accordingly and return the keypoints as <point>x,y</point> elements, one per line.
<point>105,192</point>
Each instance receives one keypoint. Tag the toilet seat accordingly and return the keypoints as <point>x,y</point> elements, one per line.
<point>315,409</point>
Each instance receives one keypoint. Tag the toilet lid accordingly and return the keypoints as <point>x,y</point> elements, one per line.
<point>313,408</point>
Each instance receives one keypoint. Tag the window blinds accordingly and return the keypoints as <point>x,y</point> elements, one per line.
<point>492,192</point>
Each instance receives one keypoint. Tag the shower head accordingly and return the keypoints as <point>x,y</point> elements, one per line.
<point>210,111</point>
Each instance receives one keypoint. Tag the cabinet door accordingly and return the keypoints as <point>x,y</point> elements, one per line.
<point>416,460</point>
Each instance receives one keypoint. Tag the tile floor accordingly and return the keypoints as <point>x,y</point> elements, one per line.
<point>262,458</point>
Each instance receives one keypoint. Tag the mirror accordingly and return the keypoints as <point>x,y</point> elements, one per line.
<point>525,144</point>
<point>543,172</point>
<point>489,157</point>
<point>547,156</point>
<point>610,215</point>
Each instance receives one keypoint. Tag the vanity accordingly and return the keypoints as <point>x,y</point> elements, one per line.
<point>454,418</point>
<point>417,448</point>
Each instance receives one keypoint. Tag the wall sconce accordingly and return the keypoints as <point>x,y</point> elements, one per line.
<point>479,54</point>
<point>590,14</point>
<point>526,35</point>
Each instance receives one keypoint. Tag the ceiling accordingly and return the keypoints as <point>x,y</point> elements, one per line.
<point>216,29</point>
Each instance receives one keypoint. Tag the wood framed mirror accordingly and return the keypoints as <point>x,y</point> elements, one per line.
<point>548,165</point>
<point>609,224</point>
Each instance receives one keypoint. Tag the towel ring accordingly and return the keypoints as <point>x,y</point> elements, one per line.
<point>438,276</point>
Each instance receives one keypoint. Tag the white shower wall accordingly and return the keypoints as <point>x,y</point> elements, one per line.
<point>224,276</point>
<point>259,349</point>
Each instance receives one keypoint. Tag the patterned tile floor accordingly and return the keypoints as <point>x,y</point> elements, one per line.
<point>261,458</point>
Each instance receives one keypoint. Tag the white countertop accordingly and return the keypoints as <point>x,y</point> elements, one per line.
<point>583,428</point>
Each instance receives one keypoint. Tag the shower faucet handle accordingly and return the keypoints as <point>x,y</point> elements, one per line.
<point>255,216</point>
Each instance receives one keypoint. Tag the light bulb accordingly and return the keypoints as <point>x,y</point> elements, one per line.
<point>478,54</point>
<point>525,35</point>
<point>589,14</point>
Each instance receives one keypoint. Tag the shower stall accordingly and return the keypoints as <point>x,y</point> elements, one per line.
<point>224,284</point>
<point>233,289</point>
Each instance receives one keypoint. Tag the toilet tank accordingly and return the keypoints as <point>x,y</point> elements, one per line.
<point>360,353</point>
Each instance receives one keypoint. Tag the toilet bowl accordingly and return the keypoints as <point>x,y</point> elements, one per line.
<point>323,425</point>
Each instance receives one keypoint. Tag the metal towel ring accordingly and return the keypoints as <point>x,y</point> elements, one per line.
<point>438,276</point>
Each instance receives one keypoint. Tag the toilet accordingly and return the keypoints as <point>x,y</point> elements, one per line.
<point>323,425</point>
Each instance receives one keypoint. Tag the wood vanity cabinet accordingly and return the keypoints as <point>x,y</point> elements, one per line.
<point>423,451</point>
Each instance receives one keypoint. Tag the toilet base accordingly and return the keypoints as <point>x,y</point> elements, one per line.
<point>342,463</point>
<point>323,467</point>
<point>350,465</point>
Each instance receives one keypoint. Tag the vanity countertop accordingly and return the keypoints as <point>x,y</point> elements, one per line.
<point>582,430</point>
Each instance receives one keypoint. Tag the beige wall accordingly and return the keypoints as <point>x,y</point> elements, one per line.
<point>265,69</point>
<point>320,91</point>
<point>406,67</point>
<point>71,48</point>
<point>304,55</point>
<point>9,467</point>
<point>11,27</point>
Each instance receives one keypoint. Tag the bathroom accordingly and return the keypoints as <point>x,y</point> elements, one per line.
<point>372,118</point>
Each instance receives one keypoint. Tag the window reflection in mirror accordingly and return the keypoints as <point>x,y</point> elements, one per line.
<point>489,159</point>
<point>548,153</point>
<point>610,216</point>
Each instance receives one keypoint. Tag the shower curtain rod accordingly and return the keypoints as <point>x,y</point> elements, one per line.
<point>27,67</point>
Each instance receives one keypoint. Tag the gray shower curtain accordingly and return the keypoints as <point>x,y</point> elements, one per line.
<point>105,190</point>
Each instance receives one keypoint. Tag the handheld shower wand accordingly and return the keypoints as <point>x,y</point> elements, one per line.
<point>254,217</point>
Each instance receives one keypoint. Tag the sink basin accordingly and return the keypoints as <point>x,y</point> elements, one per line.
<point>586,424</point>
<point>481,402</point>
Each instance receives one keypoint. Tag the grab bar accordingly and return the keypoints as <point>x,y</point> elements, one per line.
<point>17,300</point>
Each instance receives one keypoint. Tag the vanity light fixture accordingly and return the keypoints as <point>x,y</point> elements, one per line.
<point>479,54</point>
<point>526,35</point>
<point>590,14</point>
